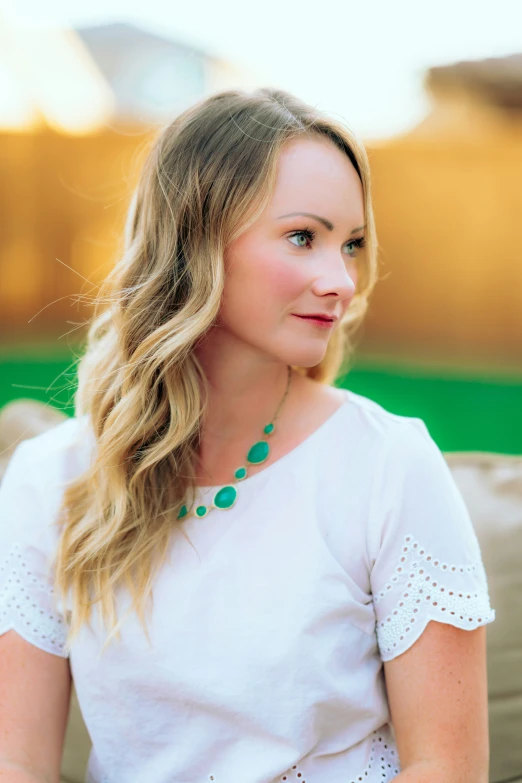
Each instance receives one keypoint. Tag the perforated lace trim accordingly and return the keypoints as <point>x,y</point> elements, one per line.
<point>383,762</point>
<point>424,598</point>
<point>26,605</point>
<point>383,758</point>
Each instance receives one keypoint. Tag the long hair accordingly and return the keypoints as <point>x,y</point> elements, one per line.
<point>207,177</point>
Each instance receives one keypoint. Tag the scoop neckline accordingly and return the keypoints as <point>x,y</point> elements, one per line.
<point>203,490</point>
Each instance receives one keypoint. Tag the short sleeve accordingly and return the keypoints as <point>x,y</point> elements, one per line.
<point>27,602</point>
<point>425,558</point>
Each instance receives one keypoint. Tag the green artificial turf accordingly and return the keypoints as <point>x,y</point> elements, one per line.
<point>463,411</point>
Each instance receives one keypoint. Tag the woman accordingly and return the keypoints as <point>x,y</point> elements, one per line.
<point>311,611</point>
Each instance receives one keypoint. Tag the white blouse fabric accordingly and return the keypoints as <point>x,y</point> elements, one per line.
<point>268,634</point>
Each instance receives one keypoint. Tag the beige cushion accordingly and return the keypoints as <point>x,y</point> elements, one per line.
<point>77,746</point>
<point>491,485</point>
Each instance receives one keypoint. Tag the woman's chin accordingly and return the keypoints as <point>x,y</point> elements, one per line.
<point>304,356</point>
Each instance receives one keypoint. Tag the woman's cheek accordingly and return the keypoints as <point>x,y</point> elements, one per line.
<point>285,281</point>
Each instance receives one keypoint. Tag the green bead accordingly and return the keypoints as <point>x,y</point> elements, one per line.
<point>201,511</point>
<point>226,497</point>
<point>183,512</point>
<point>268,429</point>
<point>240,473</point>
<point>258,453</point>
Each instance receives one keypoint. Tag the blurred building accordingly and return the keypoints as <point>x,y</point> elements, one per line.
<point>475,97</point>
<point>78,81</point>
<point>153,78</point>
<point>49,80</point>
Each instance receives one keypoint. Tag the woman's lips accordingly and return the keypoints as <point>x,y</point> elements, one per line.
<point>320,322</point>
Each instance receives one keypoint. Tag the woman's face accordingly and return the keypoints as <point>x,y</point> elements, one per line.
<point>291,263</point>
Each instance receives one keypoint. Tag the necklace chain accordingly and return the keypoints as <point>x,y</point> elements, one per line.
<point>258,453</point>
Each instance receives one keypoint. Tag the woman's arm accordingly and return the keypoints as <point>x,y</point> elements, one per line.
<point>438,696</point>
<point>35,688</point>
<point>12,773</point>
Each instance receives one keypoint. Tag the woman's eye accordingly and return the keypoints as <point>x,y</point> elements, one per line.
<point>303,237</point>
<point>359,243</point>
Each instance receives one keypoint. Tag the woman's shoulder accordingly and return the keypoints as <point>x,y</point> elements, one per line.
<point>32,486</point>
<point>360,411</point>
<point>378,421</point>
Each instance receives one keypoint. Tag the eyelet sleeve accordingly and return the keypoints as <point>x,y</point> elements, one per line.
<point>27,600</point>
<point>425,557</point>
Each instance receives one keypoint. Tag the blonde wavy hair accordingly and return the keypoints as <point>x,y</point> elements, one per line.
<point>207,177</point>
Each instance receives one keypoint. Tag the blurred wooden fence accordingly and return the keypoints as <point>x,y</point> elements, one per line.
<point>449,217</point>
<point>63,201</point>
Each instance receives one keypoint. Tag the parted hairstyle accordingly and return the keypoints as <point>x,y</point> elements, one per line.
<point>207,177</point>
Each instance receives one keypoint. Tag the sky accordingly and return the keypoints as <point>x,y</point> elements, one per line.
<point>360,61</point>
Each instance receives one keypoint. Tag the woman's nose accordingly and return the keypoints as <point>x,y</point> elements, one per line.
<point>337,276</point>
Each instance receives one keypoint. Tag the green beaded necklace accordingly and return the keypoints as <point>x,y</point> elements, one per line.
<point>258,453</point>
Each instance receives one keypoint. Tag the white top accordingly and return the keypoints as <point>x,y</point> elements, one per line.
<point>268,642</point>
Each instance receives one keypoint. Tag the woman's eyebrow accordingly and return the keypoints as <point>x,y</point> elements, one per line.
<point>324,221</point>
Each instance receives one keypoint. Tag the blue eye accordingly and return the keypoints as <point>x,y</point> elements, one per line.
<point>360,242</point>
<point>305,232</point>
